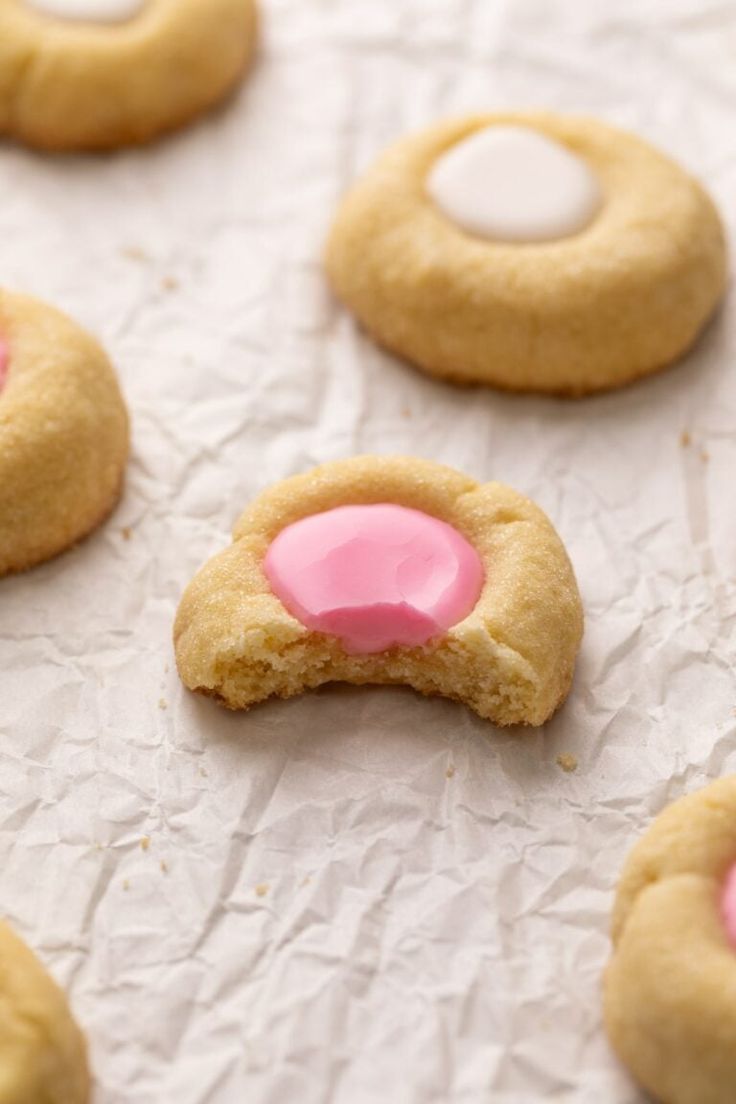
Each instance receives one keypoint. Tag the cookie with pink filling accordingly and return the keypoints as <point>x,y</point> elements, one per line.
<point>63,433</point>
<point>387,570</point>
<point>670,988</point>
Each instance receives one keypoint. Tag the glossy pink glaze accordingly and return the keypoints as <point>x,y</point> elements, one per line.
<point>4,359</point>
<point>728,905</point>
<point>375,576</point>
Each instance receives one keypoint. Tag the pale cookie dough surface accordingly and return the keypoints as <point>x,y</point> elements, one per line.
<point>43,1057</point>
<point>63,434</point>
<point>511,659</point>
<point>670,988</point>
<point>72,83</point>
<point>625,296</point>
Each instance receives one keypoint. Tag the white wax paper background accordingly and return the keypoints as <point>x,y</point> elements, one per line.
<point>359,896</point>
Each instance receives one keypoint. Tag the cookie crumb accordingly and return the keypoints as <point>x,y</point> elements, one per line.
<point>704,455</point>
<point>134,253</point>
<point>262,889</point>
<point>126,885</point>
<point>164,867</point>
<point>145,843</point>
<point>685,439</point>
<point>568,763</point>
<point>406,413</point>
<point>127,532</point>
<point>162,703</point>
<point>450,772</point>
<point>307,881</point>
<point>169,283</point>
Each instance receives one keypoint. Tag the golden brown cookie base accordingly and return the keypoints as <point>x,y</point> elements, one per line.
<point>511,660</point>
<point>67,86</point>
<point>457,677</point>
<point>43,1057</point>
<point>600,309</point>
<point>566,393</point>
<point>44,552</point>
<point>670,988</point>
<point>64,435</point>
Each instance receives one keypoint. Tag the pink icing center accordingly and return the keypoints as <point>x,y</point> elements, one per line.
<point>728,905</point>
<point>4,359</point>
<point>375,576</point>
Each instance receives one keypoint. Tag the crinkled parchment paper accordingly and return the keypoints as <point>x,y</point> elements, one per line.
<point>358,897</point>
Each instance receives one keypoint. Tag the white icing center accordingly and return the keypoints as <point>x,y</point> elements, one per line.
<point>513,184</point>
<point>89,11</point>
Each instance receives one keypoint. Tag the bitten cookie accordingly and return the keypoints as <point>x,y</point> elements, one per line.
<point>531,252</point>
<point>98,74</point>
<point>43,1057</point>
<point>63,433</point>
<point>387,570</point>
<point>670,988</point>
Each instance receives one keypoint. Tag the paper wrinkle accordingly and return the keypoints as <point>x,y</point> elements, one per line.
<point>359,896</point>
